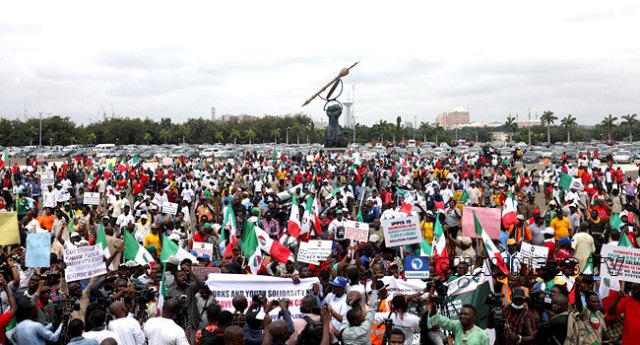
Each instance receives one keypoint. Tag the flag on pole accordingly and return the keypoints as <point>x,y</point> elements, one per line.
<point>439,248</point>
<point>5,159</point>
<point>293,226</point>
<point>274,248</point>
<point>134,251</point>
<point>135,160</point>
<point>565,181</point>
<point>170,248</point>
<point>464,197</point>
<point>307,218</point>
<point>490,249</point>
<point>228,239</point>
<point>250,247</point>
<point>101,241</point>
<point>509,211</point>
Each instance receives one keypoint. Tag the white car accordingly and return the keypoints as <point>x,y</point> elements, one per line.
<point>623,157</point>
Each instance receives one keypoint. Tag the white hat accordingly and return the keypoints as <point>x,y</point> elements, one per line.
<point>144,216</point>
<point>75,234</point>
<point>374,238</point>
<point>174,260</point>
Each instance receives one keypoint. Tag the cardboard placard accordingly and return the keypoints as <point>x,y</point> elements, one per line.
<point>91,198</point>
<point>536,256</point>
<point>314,251</point>
<point>170,208</point>
<point>356,231</point>
<point>401,231</point>
<point>38,250</point>
<point>83,262</point>
<point>203,248</point>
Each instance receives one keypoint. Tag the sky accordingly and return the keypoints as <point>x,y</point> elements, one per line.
<point>178,59</point>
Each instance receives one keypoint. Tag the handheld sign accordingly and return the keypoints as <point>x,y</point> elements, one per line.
<point>38,249</point>
<point>416,267</point>
<point>356,231</point>
<point>401,231</point>
<point>170,208</point>
<point>91,198</point>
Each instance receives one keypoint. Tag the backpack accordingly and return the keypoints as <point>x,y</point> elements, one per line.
<point>312,332</point>
<point>211,338</point>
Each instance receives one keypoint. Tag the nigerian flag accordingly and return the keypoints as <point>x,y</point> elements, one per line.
<point>565,181</point>
<point>469,290</point>
<point>250,247</point>
<point>170,248</point>
<point>134,251</point>
<point>135,160</point>
<point>464,197</point>
<point>615,221</point>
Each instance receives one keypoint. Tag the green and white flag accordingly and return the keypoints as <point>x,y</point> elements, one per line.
<point>5,159</point>
<point>134,251</point>
<point>101,241</point>
<point>170,248</point>
<point>588,267</point>
<point>250,247</point>
<point>470,290</point>
<point>135,160</point>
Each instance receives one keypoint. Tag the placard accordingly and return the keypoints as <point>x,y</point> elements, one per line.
<point>620,263</point>
<point>356,231</point>
<point>203,272</point>
<point>203,248</point>
<point>416,267</point>
<point>47,179</point>
<point>9,233</point>
<point>401,231</point>
<point>91,198</point>
<point>314,251</point>
<point>167,161</point>
<point>83,262</point>
<point>38,250</point>
<point>170,208</point>
<point>489,218</point>
<point>536,256</point>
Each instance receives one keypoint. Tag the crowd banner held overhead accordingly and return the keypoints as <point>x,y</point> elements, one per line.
<point>9,233</point>
<point>83,262</point>
<point>166,161</point>
<point>416,267</point>
<point>489,219</point>
<point>533,256</point>
<point>203,248</point>
<point>170,208</point>
<point>401,231</point>
<point>620,263</point>
<point>38,250</point>
<point>91,198</point>
<point>356,231</point>
<point>225,286</point>
<point>314,251</point>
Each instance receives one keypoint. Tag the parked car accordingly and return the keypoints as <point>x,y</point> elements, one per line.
<point>622,156</point>
<point>531,157</point>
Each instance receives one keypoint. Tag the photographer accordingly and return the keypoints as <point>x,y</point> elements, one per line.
<point>401,318</point>
<point>464,330</point>
<point>520,327</point>
<point>356,327</point>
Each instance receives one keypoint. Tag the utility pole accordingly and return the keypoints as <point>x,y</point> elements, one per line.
<point>354,129</point>
<point>529,125</point>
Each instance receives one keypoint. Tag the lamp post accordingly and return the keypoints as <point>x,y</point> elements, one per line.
<point>287,135</point>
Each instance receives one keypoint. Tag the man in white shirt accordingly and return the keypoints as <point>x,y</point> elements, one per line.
<point>337,223</point>
<point>163,330</point>
<point>160,199</point>
<point>58,194</point>
<point>337,300</point>
<point>125,217</point>
<point>49,197</point>
<point>127,328</point>
<point>99,331</point>
<point>188,194</point>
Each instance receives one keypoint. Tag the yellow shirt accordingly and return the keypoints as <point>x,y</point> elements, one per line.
<point>153,240</point>
<point>427,230</point>
<point>560,227</point>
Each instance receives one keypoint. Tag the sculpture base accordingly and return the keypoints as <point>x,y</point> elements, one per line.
<point>340,142</point>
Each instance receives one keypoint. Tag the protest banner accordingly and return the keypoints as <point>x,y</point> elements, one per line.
<point>202,248</point>
<point>167,161</point>
<point>356,231</point>
<point>489,219</point>
<point>400,286</point>
<point>46,179</point>
<point>621,263</point>
<point>203,272</point>
<point>533,256</point>
<point>170,208</point>
<point>416,267</point>
<point>401,231</point>
<point>83,262</point>
<point>9,233</point>
<point>38,250</point>
<point>314,251</point>
<point>91,198</point>
<point>225,286</point>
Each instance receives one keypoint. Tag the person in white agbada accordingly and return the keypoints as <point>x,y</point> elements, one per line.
<point>126,327</point>
<point>163,330</point>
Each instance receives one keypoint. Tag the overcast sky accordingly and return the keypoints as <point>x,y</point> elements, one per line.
<point>178,59</point>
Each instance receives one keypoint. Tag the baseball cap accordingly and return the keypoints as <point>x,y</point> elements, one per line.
<point>74,234</point>
<point>204,256</point>
<point>564,241</point>
<point>520,217</point>
<point>339,282</point>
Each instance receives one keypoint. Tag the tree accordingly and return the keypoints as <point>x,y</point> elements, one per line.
<point>218,136</point>
<point>609,123</point>
<point>629,121</point>
<point>148,137</point>
<point>568,122</point>
<point>275,133</point>
<point>250,135</point>
<point>91,138</point>
<point>234,135</point>
<point>547,119</point>
<point>511,126</point>
<point>426,129</point>
<point>165,135</point>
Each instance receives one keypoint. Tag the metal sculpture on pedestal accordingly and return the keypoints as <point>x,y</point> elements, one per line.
<point>333,108</point>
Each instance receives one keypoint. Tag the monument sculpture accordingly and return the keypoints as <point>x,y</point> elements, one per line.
<point>333,108</point>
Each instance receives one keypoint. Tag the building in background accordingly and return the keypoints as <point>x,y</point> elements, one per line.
<point>213,114</point>
<point>458,117</point>
<point>242,117</point>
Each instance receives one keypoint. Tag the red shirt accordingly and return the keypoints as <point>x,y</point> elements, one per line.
<point>138,188</point>
<point>121,184</point>
<point>631,330</point>
<point>5,320</point>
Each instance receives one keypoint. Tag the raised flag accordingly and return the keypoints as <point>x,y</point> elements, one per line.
<point>565,181</point>
<point>471,290</point>
<point>5,159</point>
<point>101,241</point>
<point>307,219</point>
<point>275,249</point>
<point>134,251</point>
<point>439,248</point>
<point>135,160</point>
<point>588,267</point>
<point>170,248</point>
<point>293,226</point>
<point>464,197</point>
<point>227,241</point>
<point>250,247</point>
<point>509,211</point>
<point>490,249</point>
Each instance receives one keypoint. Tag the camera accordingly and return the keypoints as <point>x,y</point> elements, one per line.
<point>440,288</point>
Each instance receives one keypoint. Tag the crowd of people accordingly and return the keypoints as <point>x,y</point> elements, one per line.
<point>573,208</point>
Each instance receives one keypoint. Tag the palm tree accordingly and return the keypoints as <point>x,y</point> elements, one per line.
<point>234,134</point>
<point>251,135</point>
<point>275,133</point>
<point>547,119</point>
<point>165,135</point>
<point>91,138</point>
<point>629,121</point>
<point>609,123</point>
<point>425,128</point>
<point>218,136</point>
<point>511,126</point>
<point>148,137</point>
<point>568,122</point>
<point>381,129</point>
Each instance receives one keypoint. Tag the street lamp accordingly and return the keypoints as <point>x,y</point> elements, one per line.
<point>51,142</point>
<point>287,135</point>
<point>117,142</point>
